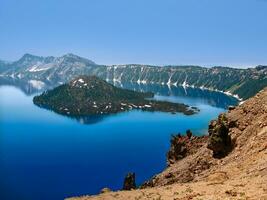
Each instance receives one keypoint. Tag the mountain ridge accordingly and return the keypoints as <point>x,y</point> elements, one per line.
<point>243,83</point>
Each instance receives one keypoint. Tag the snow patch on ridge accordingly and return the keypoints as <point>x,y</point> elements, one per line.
<point>81,80</point>
<point>37,84</point>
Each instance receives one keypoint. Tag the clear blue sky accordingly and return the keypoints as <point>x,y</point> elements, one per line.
<point>204,32</point>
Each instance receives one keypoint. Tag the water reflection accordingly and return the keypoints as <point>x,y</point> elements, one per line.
<point>213,98</point>
<point>189,95</point>
<point>92,119</point>
<point>29,87</point>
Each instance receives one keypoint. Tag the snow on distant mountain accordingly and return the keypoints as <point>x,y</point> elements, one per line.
<point>56,68</point>
<point>242,83</point>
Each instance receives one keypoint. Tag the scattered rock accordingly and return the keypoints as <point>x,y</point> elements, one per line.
<point>105,190</point>
<point>231,193</point>
<point>150,183</point>
<point>232,123</point>
<point>169,175</point>
<point>231,108</point>
<point>129,182</point>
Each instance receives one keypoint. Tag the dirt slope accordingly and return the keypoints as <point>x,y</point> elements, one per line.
<point>242,174</point>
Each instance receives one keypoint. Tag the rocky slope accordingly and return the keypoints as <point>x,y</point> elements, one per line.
<point>231,163</point>
<point>90,95</point>
<point>241,82</point>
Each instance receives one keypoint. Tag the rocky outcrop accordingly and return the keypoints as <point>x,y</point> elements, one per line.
<point>182,146</point>
<point>219,139</point>
<point>186,159</point>
<point>178,149</point>
<point>129,182</point>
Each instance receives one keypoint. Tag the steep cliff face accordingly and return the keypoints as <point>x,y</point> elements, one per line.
<point>241,82</point>
<point>240,174</point>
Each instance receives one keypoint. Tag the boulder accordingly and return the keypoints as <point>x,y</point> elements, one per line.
<point>129,182</point>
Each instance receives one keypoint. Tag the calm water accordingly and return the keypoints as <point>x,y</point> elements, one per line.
<point>47,156</point>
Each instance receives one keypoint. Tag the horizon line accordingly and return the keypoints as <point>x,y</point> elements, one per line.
<point>241,66</point>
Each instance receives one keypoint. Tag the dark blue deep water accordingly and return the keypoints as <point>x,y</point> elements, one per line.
<point>46,156</point>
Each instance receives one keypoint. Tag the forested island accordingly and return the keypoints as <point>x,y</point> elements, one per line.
<point>89,95</point>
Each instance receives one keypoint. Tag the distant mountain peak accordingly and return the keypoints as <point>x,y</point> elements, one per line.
<point>71,56</point>
<point>29,57</point>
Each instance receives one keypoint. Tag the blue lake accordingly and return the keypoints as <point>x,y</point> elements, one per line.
<point>47,156</point>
